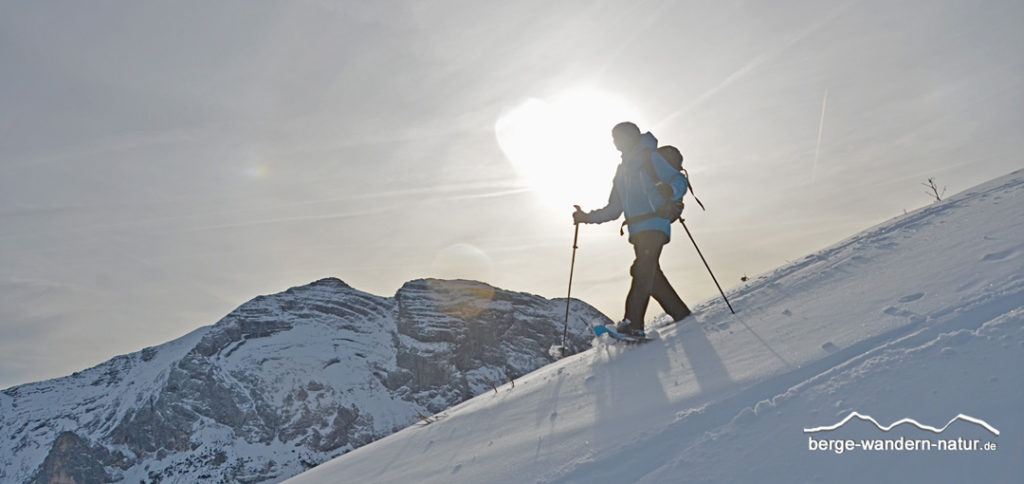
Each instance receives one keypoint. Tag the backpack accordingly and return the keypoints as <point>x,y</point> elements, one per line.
<point>670,211</point>
<point>674,158</point>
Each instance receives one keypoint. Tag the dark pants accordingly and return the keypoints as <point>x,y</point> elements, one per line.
<point>649,281</point>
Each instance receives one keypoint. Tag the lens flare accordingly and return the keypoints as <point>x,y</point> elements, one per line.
<point>461,299</point>
<point>260,171</point>
<point>462,261</point>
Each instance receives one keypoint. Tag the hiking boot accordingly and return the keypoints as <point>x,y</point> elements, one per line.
<point>627,328</point>
<point>635,333</point>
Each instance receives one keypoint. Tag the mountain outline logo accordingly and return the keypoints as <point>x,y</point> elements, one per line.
<point>868,418</point>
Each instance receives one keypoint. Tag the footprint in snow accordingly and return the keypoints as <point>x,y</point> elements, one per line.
<point>895,311</point>
<point>911,297</point>
<point>996,256</point>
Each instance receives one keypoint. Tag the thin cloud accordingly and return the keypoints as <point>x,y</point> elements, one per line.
<point>759,60</point>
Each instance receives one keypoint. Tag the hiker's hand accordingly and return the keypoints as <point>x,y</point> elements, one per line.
<point>579,216</point>
<point>671,210</point>
<point>665,190</point>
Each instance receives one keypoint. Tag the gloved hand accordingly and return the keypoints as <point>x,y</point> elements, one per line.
<point>579,216</point>
<point>671,210</point>
<point>665,190</point>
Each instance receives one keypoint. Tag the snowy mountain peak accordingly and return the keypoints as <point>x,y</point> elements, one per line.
<point>282,383</point>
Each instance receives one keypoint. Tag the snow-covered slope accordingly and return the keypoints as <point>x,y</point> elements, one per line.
<point>281,384</point>
<point>919,317</point>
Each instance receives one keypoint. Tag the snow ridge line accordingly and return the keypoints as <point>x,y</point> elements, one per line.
<point>911,219</point>
<point>868,418</point>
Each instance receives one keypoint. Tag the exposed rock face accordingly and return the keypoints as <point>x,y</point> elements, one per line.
<point>281,384</point>
<point>73,459</point>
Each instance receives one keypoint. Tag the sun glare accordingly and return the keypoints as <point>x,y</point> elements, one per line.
<point>562,147</point>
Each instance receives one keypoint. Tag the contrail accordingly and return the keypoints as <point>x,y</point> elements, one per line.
<point>817,147</point>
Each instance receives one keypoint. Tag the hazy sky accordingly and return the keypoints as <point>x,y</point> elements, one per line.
<point>163,162</point>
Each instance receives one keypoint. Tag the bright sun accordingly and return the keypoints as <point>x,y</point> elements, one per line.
<point>562,147</point>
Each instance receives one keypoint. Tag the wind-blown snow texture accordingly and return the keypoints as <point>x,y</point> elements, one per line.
<point>281,384</point>
<point>919,317</point>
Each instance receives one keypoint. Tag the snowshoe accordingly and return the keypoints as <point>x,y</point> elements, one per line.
<point>634,336</point>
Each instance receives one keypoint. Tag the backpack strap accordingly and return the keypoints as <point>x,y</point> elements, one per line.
<point>690,186</point>
<point>659,184</point>
<point>633,220</point>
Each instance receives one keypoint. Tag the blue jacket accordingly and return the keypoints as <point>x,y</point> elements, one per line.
<point>634,193</point>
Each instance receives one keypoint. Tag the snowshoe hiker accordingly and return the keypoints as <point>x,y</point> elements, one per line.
<point>649,191</point>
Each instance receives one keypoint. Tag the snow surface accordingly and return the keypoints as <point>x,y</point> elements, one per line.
<point>919,317</point>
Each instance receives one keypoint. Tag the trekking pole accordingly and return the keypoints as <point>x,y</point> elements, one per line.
<point>706,264</point>
<point>572,267</point>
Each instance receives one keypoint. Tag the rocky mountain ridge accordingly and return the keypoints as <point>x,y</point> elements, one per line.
<point>282,383</point>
